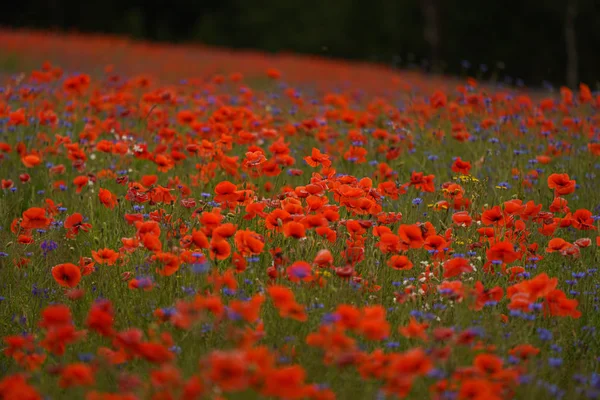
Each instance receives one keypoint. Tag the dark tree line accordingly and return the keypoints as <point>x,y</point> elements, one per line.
<point>551,40</point>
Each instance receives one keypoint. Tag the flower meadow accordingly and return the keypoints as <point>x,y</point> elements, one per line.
<point>187,223</point>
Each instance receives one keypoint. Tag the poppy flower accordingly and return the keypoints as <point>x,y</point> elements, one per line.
<point>414,330</point>
<point>224,231</point>
<point>557,245</point>
<point>226,192</point>
<point>294,311</point>
<point>389,243</point>
<point>159,194</point>
<point>422,182</point>
<point>25,239</point>
<point>169,263</point>
<point>559,204</point>
<point>317,158</point>
<point>228,370</point>
<point>107,198</point>
<point>80,182</point>
<point>294,229</point>
<point>559,305</point>
<point>411,235</point>
<point>562,184</point>
<point>31,160</point>
<point>219,249</point>
<point>17,117</point>
<point>413,362</point>
<point>151,242</point>
<point>488,363</point>
<point>35,218</point>
<point>249,243</point>
<point>456,266</point>
<point>74,223</point>
<point>76,374</point>
<point>101,318</point>
<point>502,251</point>
<point>248,310</point>
<point>514,207</point>
<point>460,166</point>
<point>493,216</point>
<point>582,219</point>
<point>401,263</point>
<point>155,353</point>
<point>583,242</point>
<point>67,275</point>
<point>299,271</point>
<point>462,218</point>
<point>254,159</point>
<point>524,351</point>
<point>285,382</point>
<point>280,295</point>
<point>323,259</point>
<point>436,244</point>
<point>273,73</point>
<point>105,256</point>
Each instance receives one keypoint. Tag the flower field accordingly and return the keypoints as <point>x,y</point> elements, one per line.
<point>179,222</point>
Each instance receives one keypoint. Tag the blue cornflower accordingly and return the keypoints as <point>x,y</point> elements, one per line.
<point>544,334</point>
<point>555,362</point>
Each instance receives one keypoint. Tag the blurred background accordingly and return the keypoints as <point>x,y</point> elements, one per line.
<point>532,42</point>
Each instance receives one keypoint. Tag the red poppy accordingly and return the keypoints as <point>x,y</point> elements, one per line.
<point>562,184</point>
<point>462,218</point>
<point>557,245</point>
<point>324,259</point>
<point>105,256</point>
<point>582,219</point>
<point>107,198</point>
<point>77,374</point>
<point>502,251</point>
<point>229,371</point>
<point>460,166</point>
<point>494,216</point>
<point>35,218</point>
<point>249,243</point>
<point>285,382</point>
<point>414,330</point>
<point>456,266</point>
<point>67,275</point>
<point>411,235</point>
<point>317,158</point>
<point>422,182</point>
<point>74,223</point>
<point>101,318</point>
<point>294,229</point>
<point>219,249</point>
<point>401,263</point>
